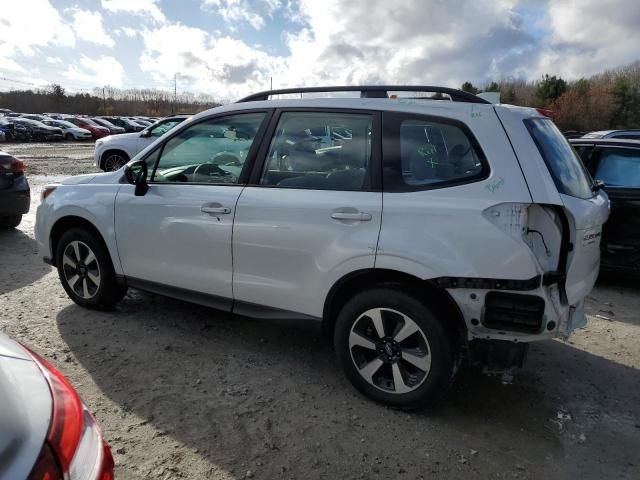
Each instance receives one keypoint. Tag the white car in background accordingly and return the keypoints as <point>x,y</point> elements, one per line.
<point>114,151</point>
<point>46,432</point>
<point>71,131</point>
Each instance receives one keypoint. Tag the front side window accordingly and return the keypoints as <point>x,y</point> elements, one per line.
<point>213,151</point>
<point>568,173</point>
<point>619,167</point>
<point>320,150</point>
<point>424,152</point>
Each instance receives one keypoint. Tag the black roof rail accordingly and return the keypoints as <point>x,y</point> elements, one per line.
<point>369,91</point>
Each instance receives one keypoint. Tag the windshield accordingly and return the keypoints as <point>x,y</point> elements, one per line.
<point>89,121</point>
<point>564,164</point>
<point>30,122</point>
<point>103,122</point>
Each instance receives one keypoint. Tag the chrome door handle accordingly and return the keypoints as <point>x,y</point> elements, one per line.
<point>215,209</point>
<point>363,217</point>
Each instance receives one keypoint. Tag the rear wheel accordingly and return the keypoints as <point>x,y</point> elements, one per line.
<point>86,271</point>
<point>114,160</point>
<point>393,348</point>
<point>10,222</point>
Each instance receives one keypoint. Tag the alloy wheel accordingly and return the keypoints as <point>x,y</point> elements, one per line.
<point>81,269</point>
<point>390,350</point>
<point>114,162</point>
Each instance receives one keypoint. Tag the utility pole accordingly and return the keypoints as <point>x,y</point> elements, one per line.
<point>104,103</point>
<point>271,83</point>
<point>175,92</point>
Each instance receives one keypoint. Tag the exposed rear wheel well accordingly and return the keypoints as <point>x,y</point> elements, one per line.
<point>436,298</point>
<point>66,223</point>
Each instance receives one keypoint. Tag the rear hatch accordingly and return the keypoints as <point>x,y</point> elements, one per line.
<point>556,176</point>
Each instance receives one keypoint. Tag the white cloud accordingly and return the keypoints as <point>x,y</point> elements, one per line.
<point>588,36</point>
<point>238,11</point>
<point>27,25</point>
<point>137,7</point>
<point>220,66</point>
<point>88,27</point>
<point>128,32</point>
<point>104,70</point>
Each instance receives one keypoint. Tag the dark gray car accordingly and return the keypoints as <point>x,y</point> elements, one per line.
<point>15,195</point>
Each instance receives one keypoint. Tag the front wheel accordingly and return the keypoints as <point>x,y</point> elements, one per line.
<point>86,271</point>
<point>393,348</point>
<point>69,137</point>
<point>114,161</point>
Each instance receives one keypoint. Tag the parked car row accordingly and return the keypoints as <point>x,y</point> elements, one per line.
<point>55,126</point>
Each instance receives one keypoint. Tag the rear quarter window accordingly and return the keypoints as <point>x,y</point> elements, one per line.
<point>424,152</point>
<point>564,164</point>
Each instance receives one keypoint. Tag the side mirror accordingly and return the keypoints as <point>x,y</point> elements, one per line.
<point>145,133</point>
<point>597,186</point>
<point>136,174</point>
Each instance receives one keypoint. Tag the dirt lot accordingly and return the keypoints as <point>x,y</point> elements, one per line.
<point>182,391</point>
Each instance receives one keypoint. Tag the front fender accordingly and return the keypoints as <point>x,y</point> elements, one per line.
<point>92,203</point>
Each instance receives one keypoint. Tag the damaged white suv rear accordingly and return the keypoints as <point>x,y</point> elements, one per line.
<point>420,232</point>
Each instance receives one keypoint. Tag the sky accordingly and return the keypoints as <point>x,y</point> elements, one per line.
<point>230,48</point>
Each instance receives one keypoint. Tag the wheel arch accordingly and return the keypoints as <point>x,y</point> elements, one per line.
<point>68,222</point>
<point>440,301</point>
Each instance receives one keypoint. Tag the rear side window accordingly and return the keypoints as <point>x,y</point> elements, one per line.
<point>619,167</point>
<point>320,151</point>
<point>564,164</point>
<point>425,152</point>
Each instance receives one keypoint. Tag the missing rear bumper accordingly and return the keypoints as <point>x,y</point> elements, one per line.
<point>498,355</point>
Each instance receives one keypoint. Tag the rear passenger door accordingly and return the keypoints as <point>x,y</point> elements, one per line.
<point>311,212</point>
<point>619,169</point>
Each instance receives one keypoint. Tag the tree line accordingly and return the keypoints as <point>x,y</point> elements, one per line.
<point>107,101</point>
<point>608,100</point>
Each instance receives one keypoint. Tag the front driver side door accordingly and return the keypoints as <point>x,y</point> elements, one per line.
<point>176,239</point>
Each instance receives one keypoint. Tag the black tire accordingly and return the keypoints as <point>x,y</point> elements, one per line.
<point>10,222</point>
<point>69,137</point>
<point>108,291</point>
<point>426,388</point>
<point>113,160</point>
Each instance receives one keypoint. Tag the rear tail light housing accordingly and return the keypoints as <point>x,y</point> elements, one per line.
<point>9,164</point>
<point>74,448</point>
<point>46,191</point>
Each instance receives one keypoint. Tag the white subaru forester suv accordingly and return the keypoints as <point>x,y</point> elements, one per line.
<point>420,232</point>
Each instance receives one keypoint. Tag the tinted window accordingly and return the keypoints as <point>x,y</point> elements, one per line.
<point>422,153</point>
<point>563,162</point>
<point>324,151</point>
<point>619,167</point>
<point>212,151</point>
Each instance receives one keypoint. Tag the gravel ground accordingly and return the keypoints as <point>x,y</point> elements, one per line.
<point>182,391</point>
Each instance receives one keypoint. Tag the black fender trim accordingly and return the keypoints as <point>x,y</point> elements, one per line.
<point>488,283</point>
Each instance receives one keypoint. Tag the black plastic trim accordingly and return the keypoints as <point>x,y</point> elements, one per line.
<point>369,91</point>
<point>208,300</point>
<point>238,307</point>
<point>488,283</point>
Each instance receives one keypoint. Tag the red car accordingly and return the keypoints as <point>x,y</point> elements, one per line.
<point>97,131</point>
